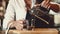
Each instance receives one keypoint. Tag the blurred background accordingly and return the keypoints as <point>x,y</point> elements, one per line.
<point>3,6</point>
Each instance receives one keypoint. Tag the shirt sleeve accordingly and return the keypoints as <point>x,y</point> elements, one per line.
<point>9,15</point>
<point>56,15</point>
<point>53,12</point>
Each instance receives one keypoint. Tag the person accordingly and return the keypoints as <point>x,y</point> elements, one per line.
<point>18,8</point>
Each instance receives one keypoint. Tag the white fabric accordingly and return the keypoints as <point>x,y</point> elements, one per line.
<point>56,15</point>
<point>57,19</point>
<point>17,6</point>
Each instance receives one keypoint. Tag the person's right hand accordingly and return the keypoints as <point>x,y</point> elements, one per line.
<point>17,24</point>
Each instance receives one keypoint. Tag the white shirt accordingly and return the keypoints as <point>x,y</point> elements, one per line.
<point>56,15</point>
<point>17,6</point>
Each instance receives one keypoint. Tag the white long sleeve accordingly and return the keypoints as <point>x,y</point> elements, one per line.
<point>9,15</point>
<point>17,6</point>
<point>56,15</point>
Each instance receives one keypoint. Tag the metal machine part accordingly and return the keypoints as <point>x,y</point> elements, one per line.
<point>40,11</point>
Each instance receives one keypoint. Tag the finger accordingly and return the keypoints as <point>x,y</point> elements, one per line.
<point>28,3</point>
<point>47,5</point>
<point>43,3</point>
<point>12,26</point>
<point>18,24</point>
<point>46,1</point>
<point>19,27</point>
<point>20,21</point>
<point>37,5</point>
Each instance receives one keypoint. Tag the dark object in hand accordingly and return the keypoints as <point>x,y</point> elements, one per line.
<point>39,11</point>
<point>41,16</point>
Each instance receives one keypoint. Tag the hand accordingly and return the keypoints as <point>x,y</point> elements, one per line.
<point>46,4</point>
<point>28,4</point>
<point>17,24</point>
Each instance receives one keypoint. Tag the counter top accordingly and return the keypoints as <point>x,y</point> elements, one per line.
<point>35,31</point>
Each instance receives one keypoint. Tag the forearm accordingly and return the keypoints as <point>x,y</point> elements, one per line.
<point>54,7</point>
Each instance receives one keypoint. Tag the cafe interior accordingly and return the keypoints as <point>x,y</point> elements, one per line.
<point>48,26</point>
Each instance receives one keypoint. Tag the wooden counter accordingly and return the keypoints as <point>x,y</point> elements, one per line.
<point>36,31</point>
